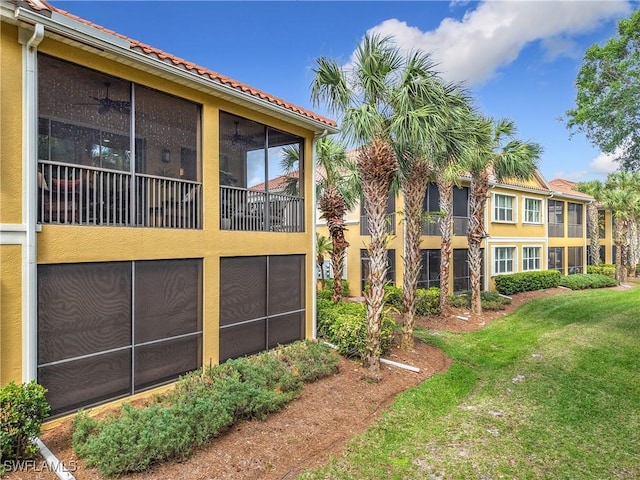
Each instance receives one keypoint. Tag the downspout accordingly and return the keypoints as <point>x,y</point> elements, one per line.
<point>29,199</point>
<point>30,220</point>
<point>314,253</point>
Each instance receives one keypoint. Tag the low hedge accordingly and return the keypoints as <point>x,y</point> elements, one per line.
<point>427,299</point>
<point>327,289</point>
<point>200,407</point>
<point>582,281</point>
<point>527,281</point>
<point>488,300</point>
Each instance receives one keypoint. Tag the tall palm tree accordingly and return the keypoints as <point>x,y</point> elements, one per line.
<point>622,196</point>
<point>419,136</point>
<point>593,188</point>
<point>364,95</point>
<point>500,155</point>
<point>337,190</point>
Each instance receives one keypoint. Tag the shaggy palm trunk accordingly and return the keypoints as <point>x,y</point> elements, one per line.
<point>475,235</point>
<point>445,188</point>
<point>333,209</point>
<point>413,188</point>
<point>620,242</point>
<point>377,166</point>
<point>634,246</point>
<point>594,233</point>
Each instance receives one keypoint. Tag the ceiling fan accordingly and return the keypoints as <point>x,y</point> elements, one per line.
<point>237,137</point>
<point>106,104</point>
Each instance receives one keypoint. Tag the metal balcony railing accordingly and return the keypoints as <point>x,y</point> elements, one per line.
<point>83,195</point>
<point>390,224</point>
<point>575,230</point>
<point>242,209</point>
<point>460,225</point>
<point>556,230</point>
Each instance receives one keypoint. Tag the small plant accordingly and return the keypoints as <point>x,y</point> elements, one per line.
<point>428,301</point>
<point>23,408</point>
<point>393,296</point>
<point>604,269</point>
<point>328,285</point>
<point>489,300</point>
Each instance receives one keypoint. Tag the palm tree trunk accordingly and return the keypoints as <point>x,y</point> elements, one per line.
<point>634,245</point>
<point>333,208</point>
<point>475,235</point>
<point>377,166</point>
<point>414,189</point>
<point>445,187</point>
<point>618,241</point>
<point>594,233</point>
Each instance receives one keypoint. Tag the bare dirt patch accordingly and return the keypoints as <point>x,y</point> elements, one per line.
<point>311,428</point>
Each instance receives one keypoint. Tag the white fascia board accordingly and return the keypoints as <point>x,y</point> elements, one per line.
<point>114,45</point>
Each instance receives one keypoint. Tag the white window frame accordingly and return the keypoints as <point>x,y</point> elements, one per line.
<point>513,259</point>
<point>525,210</point>
<point>525,258</point>
<point>514,208</point>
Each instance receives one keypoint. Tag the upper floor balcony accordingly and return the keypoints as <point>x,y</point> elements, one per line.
<point>460,226</point>
<point>85,195</point>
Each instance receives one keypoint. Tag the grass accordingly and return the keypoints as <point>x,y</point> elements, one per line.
<point>551,391</point>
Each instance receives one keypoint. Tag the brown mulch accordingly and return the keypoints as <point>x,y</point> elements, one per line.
<point>310,429</point>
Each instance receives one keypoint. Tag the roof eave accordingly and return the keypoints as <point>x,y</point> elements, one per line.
<point>86,35</point>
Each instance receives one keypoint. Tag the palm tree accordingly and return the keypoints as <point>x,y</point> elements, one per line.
<point>337,190</point>
<point>419,136</point>
<point>622,196</point>
<point>366,98</point>
<point>323,248</point>
<point>593,188</point>
<point>498,154</point>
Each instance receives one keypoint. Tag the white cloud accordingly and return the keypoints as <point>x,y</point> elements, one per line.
<point>471,50</point>
<point>603,164</point>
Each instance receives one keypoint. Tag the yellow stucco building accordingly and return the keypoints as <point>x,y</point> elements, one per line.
<point>140,235</point>
<point>531,225</point>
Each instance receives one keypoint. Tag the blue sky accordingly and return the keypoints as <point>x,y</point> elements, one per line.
<point>519,59</point>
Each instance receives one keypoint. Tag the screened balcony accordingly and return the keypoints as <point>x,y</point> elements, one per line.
<point>83,195</point>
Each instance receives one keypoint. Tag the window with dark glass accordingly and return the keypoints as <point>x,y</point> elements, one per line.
<point>365,267</point>
<point>94,169</point>
<point>106,330</point>
<point>574,220</point>
<point>460,210</point>
<point>555,215</point>
<point>430,272</point>
<point>555,259</point>
<point>262,303</point>
<point>260,177</point>
<point>575,260</point>
<point>461,271</point>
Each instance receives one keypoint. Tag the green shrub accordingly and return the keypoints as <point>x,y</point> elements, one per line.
<point>349,333</point>
<point>393,296</point>
<point>583,281</point>
<point>201,406</point>
<point>527,281</point>
<point>428,301</point>
<point>23,408</point>
<point>489,300</point>
<point>328,285</point>
<point>604,269</point>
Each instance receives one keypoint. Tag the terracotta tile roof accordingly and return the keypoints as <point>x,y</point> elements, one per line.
<point>278,183</point>
<point>567,187</point>
<point>40,5</point>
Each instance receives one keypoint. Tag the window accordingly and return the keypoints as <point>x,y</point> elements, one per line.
<point>461,273</point>
<point>601,256</point>
<point>555,214</point>
<point>107,330</point>
<point>261,172</point>
<point>503,260</point>
<point>431,204</point>
<point>390,217</point>
<point>93,169</point>
<point>365,267</point>
<point>531,258</point>
<point>574,220</point>
<point>574,260</point>
<point>430,272</point>
<point>556,259</point>
<point>532,210</point>
<point>503,208</point>
<point>262,303</point>
<point>460,210</point>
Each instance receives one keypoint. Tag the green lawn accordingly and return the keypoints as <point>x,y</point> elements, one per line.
<point>550,392</point>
